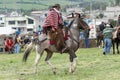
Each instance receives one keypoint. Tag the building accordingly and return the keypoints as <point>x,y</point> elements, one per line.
<point>40,16</point>
<point>20,22</point>
<point>14,22</point>
<point>112,12</point>
<point>74,9</point>
<point>2,20</point>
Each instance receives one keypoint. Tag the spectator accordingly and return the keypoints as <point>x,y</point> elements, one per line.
<point>26,41</point>
<point>40,29</point>
<point>107,33</point>
<point>86,35</point>
<point>18,31</point>
<point>81,34</point>
<point>9,45</point>
<point>17,43</point>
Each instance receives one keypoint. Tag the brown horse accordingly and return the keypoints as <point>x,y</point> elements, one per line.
<point>116,40</point>
<point>99,38</point>
<point>72,44</point>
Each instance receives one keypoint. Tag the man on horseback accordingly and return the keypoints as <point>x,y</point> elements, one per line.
<point>53,27</point>
<point>102,26</point>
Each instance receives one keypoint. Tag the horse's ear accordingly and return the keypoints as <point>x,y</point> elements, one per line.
<point>79,16</point>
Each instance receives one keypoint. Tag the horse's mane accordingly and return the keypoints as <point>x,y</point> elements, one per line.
<point>118,31</point>
<point>81,23</point>
<point>71,23</point>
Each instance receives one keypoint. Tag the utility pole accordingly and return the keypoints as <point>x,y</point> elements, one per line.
<point>91,8</point>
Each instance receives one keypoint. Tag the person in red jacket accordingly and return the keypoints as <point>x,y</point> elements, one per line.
<point>9,45</point>
<point>53,27</point>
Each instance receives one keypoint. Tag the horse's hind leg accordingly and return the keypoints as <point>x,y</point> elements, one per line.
<point>49,55</point>
<point>38,56</point>
<point>117,46</point>
<point>97,42</point>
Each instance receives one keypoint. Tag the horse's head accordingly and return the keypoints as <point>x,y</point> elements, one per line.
<point>79,24</point>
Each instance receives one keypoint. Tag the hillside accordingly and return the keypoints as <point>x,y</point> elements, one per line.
<point>40,4</point>
<point>32,4</point>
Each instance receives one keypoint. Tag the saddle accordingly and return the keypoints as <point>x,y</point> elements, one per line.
<point>58,39</point>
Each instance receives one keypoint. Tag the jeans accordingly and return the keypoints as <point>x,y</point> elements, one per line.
<point>81,35</point>
<point>87,42</point>
<point>17,48</point>
<point>107,45</point>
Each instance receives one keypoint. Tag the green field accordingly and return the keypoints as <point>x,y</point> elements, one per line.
<point>92,65</point>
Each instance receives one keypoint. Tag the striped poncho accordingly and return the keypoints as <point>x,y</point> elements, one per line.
<point>53,19</point>
<point>107,32</point>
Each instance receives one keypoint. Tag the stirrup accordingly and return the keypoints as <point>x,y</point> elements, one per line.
<point>51,42</point>
<point>64,49</point>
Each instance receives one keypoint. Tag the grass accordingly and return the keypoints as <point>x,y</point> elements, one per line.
<point>92,65</point>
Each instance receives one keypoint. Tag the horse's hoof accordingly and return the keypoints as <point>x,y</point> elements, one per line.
<point>103,53</point>
<point>35,72</point>
<point>72,72</point>
<point>54,73</point>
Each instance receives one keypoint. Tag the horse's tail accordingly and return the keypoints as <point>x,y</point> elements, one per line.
<point>28,50</point>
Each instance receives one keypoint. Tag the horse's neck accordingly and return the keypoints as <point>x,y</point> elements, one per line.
<point>75,33</point>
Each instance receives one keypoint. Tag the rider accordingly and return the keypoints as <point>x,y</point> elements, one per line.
<point>53,27</point>
<point>102,26</point>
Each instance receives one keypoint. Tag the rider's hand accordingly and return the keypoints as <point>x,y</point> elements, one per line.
<point>53,29</point>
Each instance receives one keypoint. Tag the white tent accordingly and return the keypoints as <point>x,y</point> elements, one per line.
<point>7,30</point>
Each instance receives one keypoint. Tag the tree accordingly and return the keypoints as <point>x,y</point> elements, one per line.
<point>117,2</point>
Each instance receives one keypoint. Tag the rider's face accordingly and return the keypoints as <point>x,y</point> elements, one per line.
<point>58,7</point>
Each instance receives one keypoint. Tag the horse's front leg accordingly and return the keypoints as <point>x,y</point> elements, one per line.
<point>73,61</point>
<point>49,55</point>
<point>113,47</point>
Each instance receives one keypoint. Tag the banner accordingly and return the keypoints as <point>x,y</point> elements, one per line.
<point>91,23</point>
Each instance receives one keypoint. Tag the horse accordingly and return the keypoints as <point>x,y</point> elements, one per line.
<point>116,41</point>
<point>99,38</point>
<point>42,44</point>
